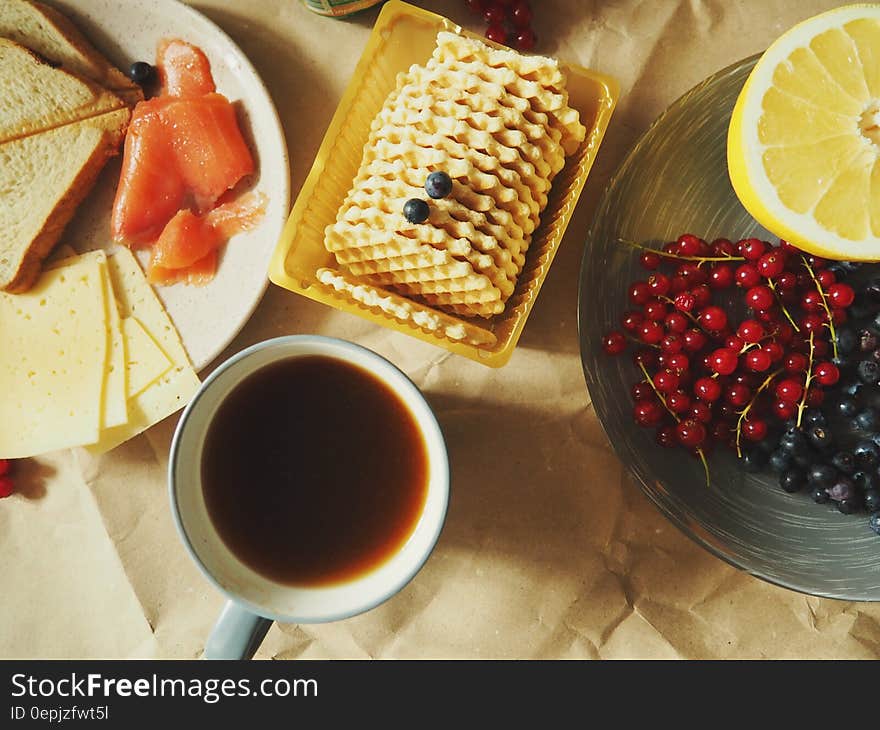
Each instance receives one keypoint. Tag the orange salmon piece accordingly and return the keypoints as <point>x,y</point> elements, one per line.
<point>183,69</point>
<point>209,149</point>
<point>198,274</point>
<point>186,239</point>
<point>150,189</point>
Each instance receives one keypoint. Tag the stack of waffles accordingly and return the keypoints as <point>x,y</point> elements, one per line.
<point>499,124</point>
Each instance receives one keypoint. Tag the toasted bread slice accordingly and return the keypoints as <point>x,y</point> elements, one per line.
<point>43,178</point>
<point>50,34</point>
<point>37,96</point>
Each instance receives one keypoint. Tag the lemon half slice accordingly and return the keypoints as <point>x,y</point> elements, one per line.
<point>803,147</point>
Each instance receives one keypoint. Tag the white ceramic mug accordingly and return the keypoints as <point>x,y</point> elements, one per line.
<point>254,601</point>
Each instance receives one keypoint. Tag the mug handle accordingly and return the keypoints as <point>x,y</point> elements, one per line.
<point>237,634</point>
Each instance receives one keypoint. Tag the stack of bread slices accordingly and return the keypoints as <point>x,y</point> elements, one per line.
<point>63,113</point>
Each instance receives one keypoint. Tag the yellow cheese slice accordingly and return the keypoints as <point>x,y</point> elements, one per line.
<point>145,361</point>
<point>114,411</point>
<point>52,362</point>
<point>174,388</point>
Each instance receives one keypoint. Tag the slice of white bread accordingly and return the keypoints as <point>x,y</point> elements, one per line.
<point>36,96</point>
<point>43,178</point>
<point>45,30</point>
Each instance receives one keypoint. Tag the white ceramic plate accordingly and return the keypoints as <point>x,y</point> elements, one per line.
<point>207,317</point>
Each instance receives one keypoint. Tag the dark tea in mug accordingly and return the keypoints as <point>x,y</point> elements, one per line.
<point>314,471</point>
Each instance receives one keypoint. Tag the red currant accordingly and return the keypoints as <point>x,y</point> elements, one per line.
<point>751,248</point>
<point>639,292</point>
<point>7,487</point>
<point>526,39</point>
<point>812,323</point>
<point>789,390</point>
<point>701,412</point>
<point>647,412</point>
<point>783,410</point>
<point>614,343</point>
<point>771,264</point>
<point>841,295</point>
<point>796,362</point>
<point>685,301</point>
<point>811,301</point>
<point>691,433</point>
<point>693,273</point>
<point>494,14</point>
<point>655,310</point>
<point>734,342</point>
<point>826,278</point>
<point>750,331</point>
<point>713,318</point>
<point>786,281</point>
<point>496,33</point>
<point>671,344</point>
<point>651,332</point>
<point>678,401</point>
<point>724,361</point>
<point>666,437</point>
<point>641,391</point>
<point>632,320</point>
<point>759,297</point>
<point>676,322</point>
<point>659,284</point>
<point>723,247</point>
<point>666,381</point>
<point>754,430</point>
<point>702,295</point>
<point>694,340</point>
<point>689,245</point>
<point>758,360</point>
<point>746,276</point>
<point>521,14</point>
<point>650,260</point>
<point>721,276</point>
<point>826,373</point>
<point>707,389</point>
<point>5,465</point>
<point>678,362</point>
<point>645,356</point>
<point>679,284</point>
<point>476,6</point>
<point>738,394</point>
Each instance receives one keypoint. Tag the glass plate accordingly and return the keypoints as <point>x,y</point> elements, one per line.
<point>675,181</point>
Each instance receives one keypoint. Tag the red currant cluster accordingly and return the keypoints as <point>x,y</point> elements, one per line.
<point>710,380</point>
<point>509,22</point>
<point>6,485</point>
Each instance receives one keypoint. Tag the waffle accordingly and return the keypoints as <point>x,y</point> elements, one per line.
<point>499,125</point>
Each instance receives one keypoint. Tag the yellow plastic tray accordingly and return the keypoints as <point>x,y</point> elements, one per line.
<point>405,35</point>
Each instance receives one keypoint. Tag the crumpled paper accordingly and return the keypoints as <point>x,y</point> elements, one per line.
<point>549,550</point>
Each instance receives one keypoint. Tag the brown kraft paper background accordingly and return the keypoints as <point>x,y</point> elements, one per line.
<point>549,550</point>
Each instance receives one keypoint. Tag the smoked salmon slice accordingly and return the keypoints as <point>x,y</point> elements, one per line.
<point>184,151</point>
<point>188,239</point>
<point>183,69</point>
<point>150,191</point>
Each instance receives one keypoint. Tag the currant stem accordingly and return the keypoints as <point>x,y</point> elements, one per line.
<point>674,415</point>
<point>830,323</point>
<point>745,411</point>
<point>803,404</point>
<point>668,255</point>
<point>782,306</point>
